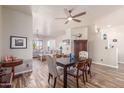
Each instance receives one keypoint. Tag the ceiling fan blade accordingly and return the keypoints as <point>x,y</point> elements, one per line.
<point>67,12</point>
<point>76,20</point>
<point>74,35</point>
<point>66,21</point>
<point>80,14</point>
<point>60,18</point>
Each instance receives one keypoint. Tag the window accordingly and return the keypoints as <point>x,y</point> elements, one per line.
<point>38,44</point>
<point>51,44</point>
<point>48,43</point>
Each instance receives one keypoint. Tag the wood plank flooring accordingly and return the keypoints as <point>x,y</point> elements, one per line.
<point>102,77</point>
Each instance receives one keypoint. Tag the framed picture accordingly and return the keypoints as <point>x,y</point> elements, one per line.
<point>114,40</point>
<point>18,42</point>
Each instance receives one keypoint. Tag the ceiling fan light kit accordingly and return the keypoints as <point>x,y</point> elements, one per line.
<point>70,18</point>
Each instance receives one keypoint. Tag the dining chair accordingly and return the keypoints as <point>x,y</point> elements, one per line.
<point>87,69</point>
<point>83,55</point>
<point>54,70</point>
<point>89,62</point>
<point>78,71</point>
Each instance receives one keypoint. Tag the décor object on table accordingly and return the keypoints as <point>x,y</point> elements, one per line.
<point>72,57</point>
<point>9,58</point>
<point>18,42</point>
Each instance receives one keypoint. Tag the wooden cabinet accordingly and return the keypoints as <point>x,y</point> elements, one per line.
<point>79,45</point>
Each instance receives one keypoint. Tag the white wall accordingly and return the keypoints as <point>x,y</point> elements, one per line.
<point>116,31</point>
<point>97,50</point>
<point>17,24</point>
<point>0,31</point>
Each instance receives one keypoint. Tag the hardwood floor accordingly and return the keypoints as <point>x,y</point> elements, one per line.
<point>102,77</point>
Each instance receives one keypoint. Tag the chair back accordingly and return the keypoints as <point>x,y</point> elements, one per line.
<point>52,65</point>
<point>81,65</point>
<point>83,55</point>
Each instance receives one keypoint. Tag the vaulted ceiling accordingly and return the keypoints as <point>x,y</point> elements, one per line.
<point>44,21</point>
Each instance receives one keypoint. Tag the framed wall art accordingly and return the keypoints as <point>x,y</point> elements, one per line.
<point>18,42</point>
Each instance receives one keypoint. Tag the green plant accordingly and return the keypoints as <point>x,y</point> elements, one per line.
<point>34,45</point>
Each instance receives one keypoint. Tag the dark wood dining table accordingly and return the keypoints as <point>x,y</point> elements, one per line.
<point>65,63</point>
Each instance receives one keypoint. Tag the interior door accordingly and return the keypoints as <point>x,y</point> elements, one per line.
<point>79,45</point>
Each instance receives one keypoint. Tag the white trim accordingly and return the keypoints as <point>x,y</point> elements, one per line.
<point>121,62</point>
<point>105,65</point>
<point>23,72</point>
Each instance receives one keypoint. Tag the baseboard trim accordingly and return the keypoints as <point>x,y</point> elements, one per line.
<point>23,72</point>
<point>121,62</point>
<point>106,65</point>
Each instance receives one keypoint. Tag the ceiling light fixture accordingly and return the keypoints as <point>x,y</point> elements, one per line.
<point>70,18</point>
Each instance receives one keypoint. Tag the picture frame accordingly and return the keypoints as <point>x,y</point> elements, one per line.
<point>115,40</point>
<point>18,42</point>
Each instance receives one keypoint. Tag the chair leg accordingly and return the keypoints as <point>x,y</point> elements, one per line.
<point>54,82</point>
<point>49,78</point>
<point>86,75</point>
<point>83,76</point>
<point>89,72</point>
<point>77,82</point>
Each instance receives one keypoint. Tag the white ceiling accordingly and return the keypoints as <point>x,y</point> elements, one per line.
<point>22,8</point>
<point>44,16</point>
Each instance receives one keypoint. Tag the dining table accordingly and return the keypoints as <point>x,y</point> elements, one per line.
<point>12,64</point>
<point>65,63</point>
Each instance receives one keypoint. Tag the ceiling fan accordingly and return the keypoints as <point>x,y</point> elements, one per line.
<point>71,17</point>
